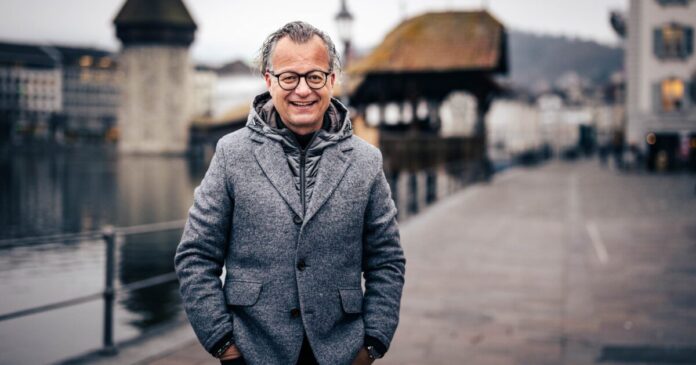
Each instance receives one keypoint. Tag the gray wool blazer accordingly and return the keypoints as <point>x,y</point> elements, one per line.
<point>247,217</point>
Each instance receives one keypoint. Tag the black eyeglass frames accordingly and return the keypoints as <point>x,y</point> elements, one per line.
<point>289,80</point>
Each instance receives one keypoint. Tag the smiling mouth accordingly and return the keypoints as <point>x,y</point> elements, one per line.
<point>301,104</point>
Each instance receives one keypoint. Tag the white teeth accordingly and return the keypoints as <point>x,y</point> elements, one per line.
<point>302,104</point>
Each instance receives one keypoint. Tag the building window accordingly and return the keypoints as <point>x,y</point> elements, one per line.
<point>86,61</point>
<point>673,41</point>
<point>670,95</point>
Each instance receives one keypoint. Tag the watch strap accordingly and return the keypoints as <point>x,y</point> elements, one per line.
<point>377,344</point>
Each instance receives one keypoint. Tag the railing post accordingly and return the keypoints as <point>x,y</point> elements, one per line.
<point>109,236</point>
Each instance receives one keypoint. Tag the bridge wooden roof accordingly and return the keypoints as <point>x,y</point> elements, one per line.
<point>440,42</point>
<point>431,55</point>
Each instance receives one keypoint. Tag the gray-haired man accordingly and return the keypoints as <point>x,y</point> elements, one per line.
<point>296,208</point>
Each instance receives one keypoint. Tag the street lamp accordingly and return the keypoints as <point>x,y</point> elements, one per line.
<point>344,23</point>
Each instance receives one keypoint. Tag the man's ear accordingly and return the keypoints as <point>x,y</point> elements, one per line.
<point>332,79</point>
<point>267,77</point>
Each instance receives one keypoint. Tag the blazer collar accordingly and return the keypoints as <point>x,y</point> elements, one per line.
<point>270,156</point>
<point>334,162</point>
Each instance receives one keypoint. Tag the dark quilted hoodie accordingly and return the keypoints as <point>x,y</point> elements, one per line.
<point>303,163</point>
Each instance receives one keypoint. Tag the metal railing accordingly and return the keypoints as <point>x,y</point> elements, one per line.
<point>112,237</point>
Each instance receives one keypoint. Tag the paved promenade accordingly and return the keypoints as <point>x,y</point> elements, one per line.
<point>566,263</point>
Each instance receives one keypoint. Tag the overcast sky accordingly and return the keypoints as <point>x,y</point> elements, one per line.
<point>232,29</point>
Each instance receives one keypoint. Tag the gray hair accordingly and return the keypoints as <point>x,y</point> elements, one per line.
<point>299,32</point>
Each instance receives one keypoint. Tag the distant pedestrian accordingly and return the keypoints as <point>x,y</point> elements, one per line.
<point>618,149</point>
<point>603,154</point>
<point>296,208</point>
<point>604,142</point>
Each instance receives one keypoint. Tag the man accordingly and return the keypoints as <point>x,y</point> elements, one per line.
<point>295,208</point>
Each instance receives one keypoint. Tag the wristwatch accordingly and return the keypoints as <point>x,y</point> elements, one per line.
<point>372,353</point>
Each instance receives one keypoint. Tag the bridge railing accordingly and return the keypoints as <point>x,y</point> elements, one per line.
<point>112,237</point>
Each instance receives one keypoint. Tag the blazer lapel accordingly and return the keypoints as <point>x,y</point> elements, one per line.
<point>271,158</point>
<point>332,166</point>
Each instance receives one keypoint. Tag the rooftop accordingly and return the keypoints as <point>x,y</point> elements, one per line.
<point>77,56</point>
<point>27,55</point>
<point>155,12</point>
<point>439,42</point>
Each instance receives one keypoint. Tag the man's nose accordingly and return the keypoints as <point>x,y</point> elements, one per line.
<point>302,87</point>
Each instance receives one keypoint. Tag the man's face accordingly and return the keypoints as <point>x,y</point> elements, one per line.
<point>301,109</point>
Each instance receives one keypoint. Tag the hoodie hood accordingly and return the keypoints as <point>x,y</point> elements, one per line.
<point>264,119</point>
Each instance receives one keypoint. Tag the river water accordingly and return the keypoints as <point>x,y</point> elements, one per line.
<point>52,191</point>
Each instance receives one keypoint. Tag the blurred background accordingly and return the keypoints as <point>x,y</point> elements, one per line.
<point>541,155</point>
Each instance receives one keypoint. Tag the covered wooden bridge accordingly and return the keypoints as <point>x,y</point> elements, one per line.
<point>415,68</point>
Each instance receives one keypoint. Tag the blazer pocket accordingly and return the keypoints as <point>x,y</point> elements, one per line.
<point>244,293</point>
<point>351,300</point>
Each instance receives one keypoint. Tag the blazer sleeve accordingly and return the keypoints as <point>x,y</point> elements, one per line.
<point>200,256</point>
<point>383,263</point>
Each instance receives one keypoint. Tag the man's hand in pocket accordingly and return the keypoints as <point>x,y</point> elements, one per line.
<point>231,353</point>
<point>363,358</point>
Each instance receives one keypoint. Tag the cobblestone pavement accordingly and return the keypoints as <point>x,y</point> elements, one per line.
<point>566,263</point>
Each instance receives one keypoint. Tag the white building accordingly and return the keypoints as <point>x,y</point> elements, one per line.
<point>233,90</point>
<point>513,129</point>
<point>30,91</point>
<point>458,115</point>
<point>204,83</point>
<point>661,79</point>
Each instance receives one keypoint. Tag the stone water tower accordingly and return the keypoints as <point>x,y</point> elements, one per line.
<point>157,73</point>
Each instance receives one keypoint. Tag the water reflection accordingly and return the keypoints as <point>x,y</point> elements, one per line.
<point>145,256</point>
<point>70,190</point>
<point>80,189</point>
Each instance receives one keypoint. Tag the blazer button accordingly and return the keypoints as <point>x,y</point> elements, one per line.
<point>297,219</point>
<point>301,265</point>
<point>294,313</point>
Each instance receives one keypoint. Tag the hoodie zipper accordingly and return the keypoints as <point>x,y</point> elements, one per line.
<point>303,178</point>
<point>303,188</point>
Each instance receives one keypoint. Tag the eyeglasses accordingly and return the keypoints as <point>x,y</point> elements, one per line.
<point>289,80</point>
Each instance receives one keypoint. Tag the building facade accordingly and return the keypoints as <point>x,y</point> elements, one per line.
<point>56,93</point>
<point>30,92</point>
<point>661,81</point>
<point>204,81</point>
<point>91,97</point>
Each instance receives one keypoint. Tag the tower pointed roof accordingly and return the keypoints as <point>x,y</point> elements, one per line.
<point>155,21</point>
